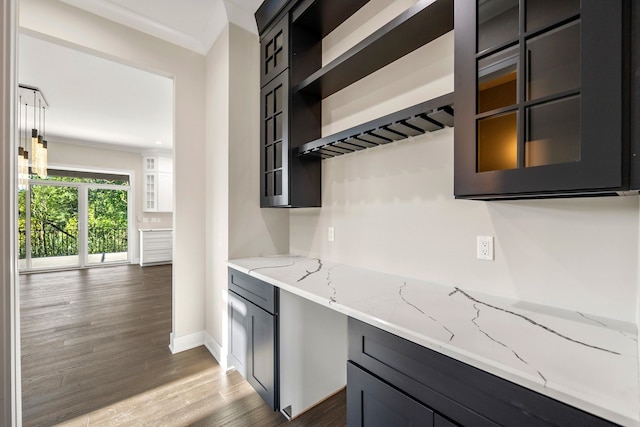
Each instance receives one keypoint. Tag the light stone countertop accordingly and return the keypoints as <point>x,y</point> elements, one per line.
<point>585,361</point>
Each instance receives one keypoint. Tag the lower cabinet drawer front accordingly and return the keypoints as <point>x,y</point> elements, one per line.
<point>374,403</point>
<point>150,244</point>
<point>262,294</point>
<point>157,256</point>
<point>463,393</point>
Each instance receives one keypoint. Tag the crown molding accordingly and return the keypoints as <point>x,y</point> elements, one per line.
<point>130,18</point>
<point>108,146</point>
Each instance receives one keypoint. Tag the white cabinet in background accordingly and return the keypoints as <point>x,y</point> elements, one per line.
<point>157,172</point>
<point>156,246</point>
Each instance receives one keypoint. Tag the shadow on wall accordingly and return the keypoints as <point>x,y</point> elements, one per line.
<point>555,247</point>
<point>421,75</point>
<point>418,168</point>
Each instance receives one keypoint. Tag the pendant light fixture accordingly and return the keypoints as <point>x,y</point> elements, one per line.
<point>32,97</point>
<point>23,154</point>
<point>44,159</point>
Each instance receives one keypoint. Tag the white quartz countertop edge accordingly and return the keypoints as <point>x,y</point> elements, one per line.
<point>571,396</point>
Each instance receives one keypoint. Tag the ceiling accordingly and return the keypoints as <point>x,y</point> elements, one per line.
<point>96,101</point>
<point>192,24</point>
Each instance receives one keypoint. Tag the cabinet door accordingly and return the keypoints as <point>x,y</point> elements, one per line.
<point>261,361</point>
<point>538,97</point>
<point>274,142</point>
<point>149,163</point>
<point>165,192</point>
<point>439,421</point>
<point>372,402</point>
<point>150,203</point>
<point>252,346</point>
<point>165,164</point>
<point>238,333</point>
<point>274,51</point>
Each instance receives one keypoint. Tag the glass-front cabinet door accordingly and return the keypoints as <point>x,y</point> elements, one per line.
<point>274,146</point>
<point>539,97</point>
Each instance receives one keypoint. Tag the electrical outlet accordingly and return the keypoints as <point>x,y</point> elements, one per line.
<point>485,248</point>
<point>331,234</point>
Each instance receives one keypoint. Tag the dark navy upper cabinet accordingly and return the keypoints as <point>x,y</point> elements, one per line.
<point>286,121</point>
<point>291,34</point>
<point>542,98</point>
<point>274,51</point>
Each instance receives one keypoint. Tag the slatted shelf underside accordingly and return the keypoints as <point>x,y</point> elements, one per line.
<point>428,116</point>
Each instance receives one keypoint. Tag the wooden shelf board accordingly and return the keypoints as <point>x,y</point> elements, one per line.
<point>419,25</point>
<point>324,16</point>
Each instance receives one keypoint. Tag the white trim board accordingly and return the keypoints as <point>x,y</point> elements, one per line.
<point>186,342</point>
<point>216,351</point>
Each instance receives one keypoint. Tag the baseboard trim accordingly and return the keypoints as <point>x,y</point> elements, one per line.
<point>216,351</point>
<point>186,342</point>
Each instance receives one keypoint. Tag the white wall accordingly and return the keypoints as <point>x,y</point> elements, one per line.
<point>236,226</point>
<point>252,230</point>
<point>217,183</point>
<point>393,210</point>
<point>64,24</point>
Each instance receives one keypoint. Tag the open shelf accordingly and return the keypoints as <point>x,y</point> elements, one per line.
<point>428,116</point>
<point>419,25</point>
<point>324,16</point>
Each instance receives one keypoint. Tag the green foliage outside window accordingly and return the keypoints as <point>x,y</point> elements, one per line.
<point>54,219</point>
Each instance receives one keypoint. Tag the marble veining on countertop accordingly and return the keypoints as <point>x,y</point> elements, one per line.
<point>585,361</point>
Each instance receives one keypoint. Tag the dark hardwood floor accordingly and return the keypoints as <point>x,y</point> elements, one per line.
<point>95,353</point>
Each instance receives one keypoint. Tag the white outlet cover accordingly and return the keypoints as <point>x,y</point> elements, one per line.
<point>331,234</point>
<point>485,248</point>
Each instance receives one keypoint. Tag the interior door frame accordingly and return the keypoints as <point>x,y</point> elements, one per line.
<point>10,376</point>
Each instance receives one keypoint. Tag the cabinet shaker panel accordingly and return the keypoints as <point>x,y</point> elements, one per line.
<point>374,403</point>
<point>274,142</point>
<point>274,51</point>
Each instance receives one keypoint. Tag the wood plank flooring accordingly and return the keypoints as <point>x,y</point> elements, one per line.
<point>95,353</point>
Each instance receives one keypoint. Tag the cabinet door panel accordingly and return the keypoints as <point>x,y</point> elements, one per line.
<point>571,62</point>
<point>238,333</point>
<point>261,361</point>
<point>274,51</point>
<point>372,403</point>
<point>165,192</point>
<point>150,192</point>
<point>274,142</point>
<point>439,421</point>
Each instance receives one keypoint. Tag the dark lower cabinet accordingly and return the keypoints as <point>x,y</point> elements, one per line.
<point>374,403</point>
<point>440,421</point>
<point>395,382</point>
<point>253,340</point>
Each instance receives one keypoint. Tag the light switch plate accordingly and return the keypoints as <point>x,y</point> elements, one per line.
<point>331,234</point>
